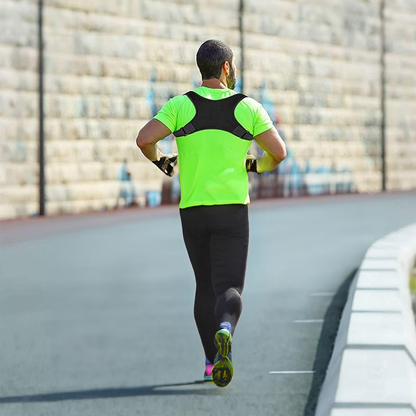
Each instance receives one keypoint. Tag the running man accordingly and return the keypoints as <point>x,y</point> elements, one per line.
<point>214,129</point>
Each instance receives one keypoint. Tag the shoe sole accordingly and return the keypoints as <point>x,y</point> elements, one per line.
<point>222,373</point>
<point>223,370</point>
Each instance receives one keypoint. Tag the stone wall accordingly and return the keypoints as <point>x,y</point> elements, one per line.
<point>18,108</point>
<point>110,65</point>
<point>401,93</point>
<point>319,62</point>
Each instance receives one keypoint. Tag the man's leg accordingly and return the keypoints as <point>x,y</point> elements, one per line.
<point>229,250</point>
<point>197,240</point>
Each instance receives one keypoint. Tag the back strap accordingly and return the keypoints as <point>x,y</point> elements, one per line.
<point>214,114</point>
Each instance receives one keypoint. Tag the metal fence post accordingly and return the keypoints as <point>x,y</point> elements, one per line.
<point>383,96</point>
<point>41,154</point>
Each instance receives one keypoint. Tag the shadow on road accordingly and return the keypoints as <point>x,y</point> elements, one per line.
<point>158,390</point>
<point>326,342</point>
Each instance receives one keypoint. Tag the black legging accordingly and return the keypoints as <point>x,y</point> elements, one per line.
<point>216,238</point>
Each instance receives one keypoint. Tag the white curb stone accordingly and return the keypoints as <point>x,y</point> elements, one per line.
<point>369,329</point>
<point>380,264</point>
<point>372,412</point>
<point>372,371</point>
<point>377,376</point>
<point>389,253</point>
<point>381,279</point>
<point>377,301</point>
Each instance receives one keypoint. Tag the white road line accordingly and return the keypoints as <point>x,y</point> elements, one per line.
<point>292,372</point>
<point>309,321</point>
<point>323,294</point>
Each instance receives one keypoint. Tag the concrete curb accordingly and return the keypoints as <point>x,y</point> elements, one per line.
<point>372,371</point>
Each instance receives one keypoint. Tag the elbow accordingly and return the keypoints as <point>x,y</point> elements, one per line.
<point>282,154</point>
<point>140,140</point>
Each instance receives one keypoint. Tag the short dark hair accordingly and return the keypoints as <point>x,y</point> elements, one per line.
<point>211,56</point>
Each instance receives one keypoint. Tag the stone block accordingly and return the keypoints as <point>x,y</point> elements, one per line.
<point>7,211</point>
<point>377,301</point>
<point>393,330</point>
<point>15,210</point>
<point>376,411</point>
<point>61,173</point>
<point>380,264</point>
<point>93,190</point>
<point>380,279</point>
<point>18,152</point>
<point>8,128</point>
<point>61,150</point>
<point>92,5</point>
<point>381,252</point>
<point>19,33</point>
<point>18,194</point>
<point>19,174</point>
<point>376,329</point>
<point>9,79</point>
<point>377,376</point>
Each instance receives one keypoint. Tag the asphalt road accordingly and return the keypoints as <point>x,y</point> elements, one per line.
<point>96,311</point>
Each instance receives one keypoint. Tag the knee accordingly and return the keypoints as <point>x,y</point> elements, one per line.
<point>231,294</point>
<point>235,291</point>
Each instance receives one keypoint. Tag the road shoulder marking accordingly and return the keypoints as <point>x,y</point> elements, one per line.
<point>322,294</point>
<point>292,372</point>
<point>309,321</point>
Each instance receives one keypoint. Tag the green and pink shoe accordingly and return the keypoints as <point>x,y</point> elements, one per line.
<point>222,372</point>
<point>208,370</point>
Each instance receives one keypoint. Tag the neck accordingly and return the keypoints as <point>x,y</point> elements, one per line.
<point>214,83</point>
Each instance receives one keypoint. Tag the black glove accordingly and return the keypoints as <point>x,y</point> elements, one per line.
<point>167,163</point>
<point>251,164</point>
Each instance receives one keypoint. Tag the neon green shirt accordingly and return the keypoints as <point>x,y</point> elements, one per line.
<point>212,162</point>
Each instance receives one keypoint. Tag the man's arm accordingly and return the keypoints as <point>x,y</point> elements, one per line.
<point>149,135</point>
<point>275,148</point>
<point>147,138</point>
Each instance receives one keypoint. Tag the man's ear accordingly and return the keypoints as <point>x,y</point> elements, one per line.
<point>226,68</point>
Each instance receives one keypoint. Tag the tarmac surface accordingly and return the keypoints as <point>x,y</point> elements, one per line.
<point>96,310</point>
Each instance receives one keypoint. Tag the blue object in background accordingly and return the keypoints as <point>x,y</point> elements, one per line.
<point>153,198</point>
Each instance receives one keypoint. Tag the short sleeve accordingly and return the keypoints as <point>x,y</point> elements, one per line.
<point>262,121</point>
<point>168,114</point>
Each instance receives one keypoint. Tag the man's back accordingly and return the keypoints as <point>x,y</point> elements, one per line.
<point>225,181</point>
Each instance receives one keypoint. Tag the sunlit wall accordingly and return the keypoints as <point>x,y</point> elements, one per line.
<point>109,66</point>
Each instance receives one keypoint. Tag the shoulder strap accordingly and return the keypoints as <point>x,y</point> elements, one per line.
<point>214,114</point>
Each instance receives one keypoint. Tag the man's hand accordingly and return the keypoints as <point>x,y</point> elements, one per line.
<point>167,163</point>
<point>251,163</point>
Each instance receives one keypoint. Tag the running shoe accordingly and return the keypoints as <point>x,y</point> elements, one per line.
<point>223,371</point>
<point>208,370</point>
